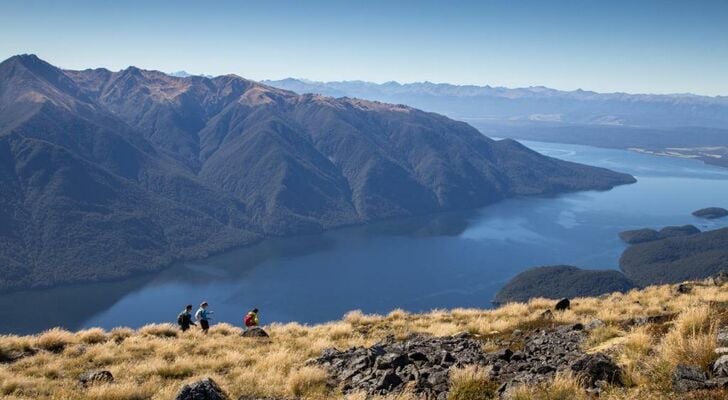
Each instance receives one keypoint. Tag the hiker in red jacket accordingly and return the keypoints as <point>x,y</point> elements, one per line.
<point>251,319</point>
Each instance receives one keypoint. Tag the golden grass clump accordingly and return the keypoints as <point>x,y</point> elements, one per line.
<point>601,334</point>
<point>225,329</point>
<point>692,339</point>
<point>118,334</point>
<point>92,336</point>
<point>55,340</point>
<point>120,391</point>
<point>562,387</point>
<point>307,382</point>
<point>160,330</point>
<point>471,383</point>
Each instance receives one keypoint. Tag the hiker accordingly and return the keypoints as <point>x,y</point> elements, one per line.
<point>251,319</point>
<point>184,319</point>
<point>203,316</point>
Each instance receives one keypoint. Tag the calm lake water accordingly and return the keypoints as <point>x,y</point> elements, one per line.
<point>439,261</point>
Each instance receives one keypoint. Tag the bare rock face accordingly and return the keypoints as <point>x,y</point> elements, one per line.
<point>205,389</point>
<point>89,378</point>
<point>255,332</point>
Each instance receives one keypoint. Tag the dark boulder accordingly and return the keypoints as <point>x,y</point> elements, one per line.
<point>255,332</point>
<point>683,288</point>
<point>597,367</point>
<point>93,377</point>
<point>711,213</point>
<point>205,389</point>
<point>563,304</point>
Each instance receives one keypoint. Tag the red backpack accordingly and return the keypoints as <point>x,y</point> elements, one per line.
<point>249,320</point>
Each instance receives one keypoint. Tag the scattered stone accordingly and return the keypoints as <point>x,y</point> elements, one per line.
<point>688,377</point>
<point>93,377</point>
<point>563,304</point>
<point>597,367</point>
<point>593,324</point>
<point>255,332</point>
<point>650,319</point>
<point>720,367</point>
<point>205,389</point>
<point>547,315</point>
<point>723,337</point>
<point>721,351</point>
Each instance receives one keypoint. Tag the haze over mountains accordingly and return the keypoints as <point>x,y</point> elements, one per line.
<point>104,173</point>
<point>683,125</point>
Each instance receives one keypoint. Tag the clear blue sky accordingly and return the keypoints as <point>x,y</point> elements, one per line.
<point>609,45</point>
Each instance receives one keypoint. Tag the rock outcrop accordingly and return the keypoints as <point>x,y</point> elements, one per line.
<point>423,363</point>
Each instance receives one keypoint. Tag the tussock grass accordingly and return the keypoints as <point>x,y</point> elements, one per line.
<point>92,336</point>
<point>471,383</point>
<point>155,360</point>
<point>55,340</point>
<point>561,387</point>
<point>159,330</point>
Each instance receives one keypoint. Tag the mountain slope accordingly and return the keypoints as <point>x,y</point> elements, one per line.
<point>136,168</point>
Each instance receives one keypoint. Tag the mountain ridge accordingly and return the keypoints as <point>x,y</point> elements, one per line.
<point>181,167</point>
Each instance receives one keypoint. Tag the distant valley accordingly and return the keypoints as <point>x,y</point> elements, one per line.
<point>679,125</point>
<point>105,174</point>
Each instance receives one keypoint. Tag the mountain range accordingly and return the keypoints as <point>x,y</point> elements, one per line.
<point>109,173</point>
<point>683,125</point>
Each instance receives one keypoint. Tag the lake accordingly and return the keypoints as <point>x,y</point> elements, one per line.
<point>447,260</point>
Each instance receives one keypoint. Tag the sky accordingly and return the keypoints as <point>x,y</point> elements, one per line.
<point>634,46</point>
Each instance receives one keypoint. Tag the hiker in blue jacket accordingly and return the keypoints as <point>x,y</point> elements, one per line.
<point>203,316</point>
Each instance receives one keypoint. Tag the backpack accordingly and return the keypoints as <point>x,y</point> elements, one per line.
<point>249,320</point>
<point>181,319</point>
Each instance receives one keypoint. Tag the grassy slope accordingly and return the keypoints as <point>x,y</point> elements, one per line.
<point>154,361</point>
